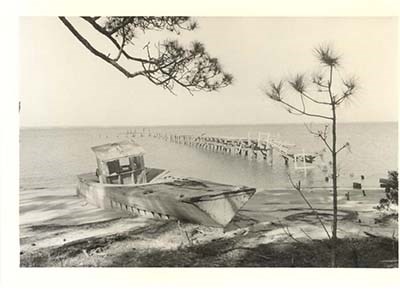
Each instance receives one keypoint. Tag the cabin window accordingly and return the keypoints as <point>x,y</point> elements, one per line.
<point>113,167</point>
<point>139,162</point>
<point>132,163</point>
<point>125,164</point>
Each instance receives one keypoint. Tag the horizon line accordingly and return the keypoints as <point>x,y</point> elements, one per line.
<point>194,125</point>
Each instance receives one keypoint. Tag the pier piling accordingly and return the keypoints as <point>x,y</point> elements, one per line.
<point>258,146</point>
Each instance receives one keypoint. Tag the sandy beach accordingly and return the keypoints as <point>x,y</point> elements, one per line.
<point>275,228</point>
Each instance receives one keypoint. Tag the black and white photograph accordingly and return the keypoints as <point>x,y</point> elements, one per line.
<point>167,141</point>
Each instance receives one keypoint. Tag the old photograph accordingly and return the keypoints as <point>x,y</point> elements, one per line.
<point>184,141</point>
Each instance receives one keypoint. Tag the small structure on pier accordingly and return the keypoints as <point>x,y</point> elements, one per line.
<point>304,162</point>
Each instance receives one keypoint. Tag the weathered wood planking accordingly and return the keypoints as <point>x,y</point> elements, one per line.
<point>252,148</point>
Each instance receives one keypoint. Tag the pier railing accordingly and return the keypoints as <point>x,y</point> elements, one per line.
<point>257,145</point>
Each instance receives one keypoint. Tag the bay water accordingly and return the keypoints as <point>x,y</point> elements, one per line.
<point>52,157</point>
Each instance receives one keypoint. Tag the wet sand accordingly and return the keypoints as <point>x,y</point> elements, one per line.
<point>275,228</point>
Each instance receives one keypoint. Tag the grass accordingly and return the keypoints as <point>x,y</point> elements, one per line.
<point>109,252</point>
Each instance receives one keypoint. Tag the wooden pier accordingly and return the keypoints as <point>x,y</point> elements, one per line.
<point>257,145</point>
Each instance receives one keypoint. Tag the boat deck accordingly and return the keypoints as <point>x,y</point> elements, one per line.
<point>179,189</point>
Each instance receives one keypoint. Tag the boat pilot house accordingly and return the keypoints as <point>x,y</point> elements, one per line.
<point>120,163</point>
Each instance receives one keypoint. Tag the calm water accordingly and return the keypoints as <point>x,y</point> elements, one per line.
<point>53,157</point>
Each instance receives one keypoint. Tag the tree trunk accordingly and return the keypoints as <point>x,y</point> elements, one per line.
<point>334,177</point>
<point>334,182</point>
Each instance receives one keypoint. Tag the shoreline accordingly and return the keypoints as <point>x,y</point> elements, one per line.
<point>57,228</point>
<point>24,188</point>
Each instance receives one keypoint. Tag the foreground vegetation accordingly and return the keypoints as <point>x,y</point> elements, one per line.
<point>112,251</point>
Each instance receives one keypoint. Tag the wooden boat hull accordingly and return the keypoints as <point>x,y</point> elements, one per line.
<point>192,200</point>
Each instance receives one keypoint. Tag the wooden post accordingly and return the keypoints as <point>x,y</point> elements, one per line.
<point>304,164</point>
<point>271,153</point>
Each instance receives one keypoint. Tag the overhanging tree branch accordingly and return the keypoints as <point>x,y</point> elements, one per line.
<point>113,40</point>
<point>189,67</point>
<point>97,53</point>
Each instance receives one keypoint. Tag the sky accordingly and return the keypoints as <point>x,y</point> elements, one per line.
<point>62,84</point>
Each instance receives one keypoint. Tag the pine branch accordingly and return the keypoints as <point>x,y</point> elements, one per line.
<point>298,188</point>
<point>191,68</point>
<point>304,112</point>
<point>322,135</point>
<point>97,53</point>
<point>346,145</point>
<point>101,30</point>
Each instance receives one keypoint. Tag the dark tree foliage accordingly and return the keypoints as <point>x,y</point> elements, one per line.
<point>391,186</point>
<point>165,63</point>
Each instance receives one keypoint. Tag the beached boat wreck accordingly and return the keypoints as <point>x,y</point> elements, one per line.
<point>123,182</point>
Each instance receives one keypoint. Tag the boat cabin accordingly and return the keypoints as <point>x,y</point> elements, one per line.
<point>120,163</point>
